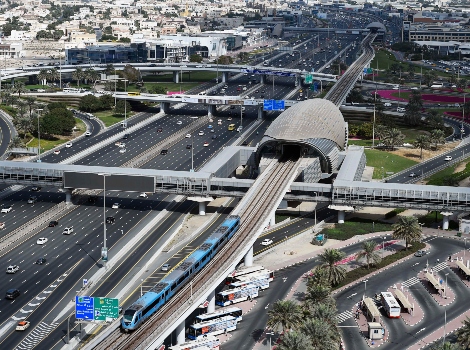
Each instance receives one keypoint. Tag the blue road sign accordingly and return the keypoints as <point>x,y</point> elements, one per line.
<point>268,105</point>
<point>84,307</point>
<point>278,105</point>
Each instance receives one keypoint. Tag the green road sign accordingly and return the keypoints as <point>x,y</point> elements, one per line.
<point>308,79</point>
<point>105,308</point>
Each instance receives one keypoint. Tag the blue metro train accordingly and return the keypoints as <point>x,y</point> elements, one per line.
<point>151,301</point>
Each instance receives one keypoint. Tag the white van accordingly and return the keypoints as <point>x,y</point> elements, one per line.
<point>400,109</point>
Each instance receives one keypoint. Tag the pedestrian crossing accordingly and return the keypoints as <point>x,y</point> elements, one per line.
<point>344,316</point>
<point>410,282</point>
<point>38,334</point>
<point>440,266</point>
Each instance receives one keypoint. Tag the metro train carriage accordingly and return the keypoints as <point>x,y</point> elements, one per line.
<point>158,295</point>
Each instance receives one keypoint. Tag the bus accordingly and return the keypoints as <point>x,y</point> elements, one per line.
<point>231,127</point>
<point>71,90</point>
<point>260,279</point>
<point>214,327</point>
<point>246,270</point>
<point>236,295</point>
<point>391,306</point>
<point>229,311</point>
<point>133,93</point>
<point>209,342</point>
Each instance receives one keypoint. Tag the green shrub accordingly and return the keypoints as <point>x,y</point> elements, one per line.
<point>394,213</point>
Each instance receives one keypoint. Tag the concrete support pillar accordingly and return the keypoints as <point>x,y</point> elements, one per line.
<point>165,107</point>
<point>211,300</point>
<point>297,80</point>
<point>176,77</point>
<point>445,220</point>
<point>225,76</point>
<point>211,110</point>
<point>262,79</point>
<point>340,216</point>
<point>261,112</point>
<point>68,196</point>
<point>272,219</point>
<point>202,208</point>
<point>249,257</point>
<point>13,82</point>
<point>180,339</point>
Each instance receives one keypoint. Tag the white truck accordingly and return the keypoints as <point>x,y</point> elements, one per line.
<point>68,230</point>
<point>6,209</point>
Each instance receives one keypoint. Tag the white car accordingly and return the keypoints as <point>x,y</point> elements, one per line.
<point>206,144</point>
<point>88,133</point>
<point>201,133</point>
<point>6,209</point>
<point>143,195</point>
<point>447,158</point>
<point>68,144</point>
<point>121,144</point>
<point>116,206</point>
<point>266,241</point>
<point>179,122</point>
<point>42,240</point>
<point>13,269</point>
<point>188,136</point>
<point>387,104</point>
<point>57,151</point>
<point>122,150</point>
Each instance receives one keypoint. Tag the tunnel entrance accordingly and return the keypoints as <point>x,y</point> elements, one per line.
<point>291,151</point>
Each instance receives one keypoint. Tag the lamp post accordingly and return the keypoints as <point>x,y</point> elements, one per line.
<point>373,126</point>
<point>125,103</point>
<point>141,282</point>
<point>465,240</point>
<point>181,69</point>
<point>104,250</point>
<point>192,154</point>
<point>60,69</point>
<point>383,172</point>
<point>316,203</point>
<point>463,117</point>
<point>38,111</point>
<point>445,290</point>
<point>115,84</point>
<point>445,324</point>
<point>383,246</point>
<point>421,76</point>
<point>365,287</point>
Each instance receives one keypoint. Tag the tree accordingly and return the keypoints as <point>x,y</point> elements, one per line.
<point>58,120</point>
<point>195,58</point>
<point>325,312</point>
<point>92,75</point>
<point>355,96</point>
<point>429,77</point>
<point>321,334</point>
<point>368,252</point>
<point>122,107</point>
<point>317,293</point>
<point>110,69</point>
<point>435,119</point>
<point>413,108</point>
<point>16,142</point>
<point>407,228</point>
<point>393,137</point>
<point>53,74</point>
<point>421,142</point>
<point>106,101</point>
<point>18,88</point>
<point>90,103</point>
<point>411,69</point>
<point>224,60</point>
<point>157,89</point>
<point>463,334</point>
<point>295,341</point>
<point>78,75</point>
<point>446,346</point>
<point>437,137</point>
<point>284,313</point>
<point>130,73</point>
<point>462,83</point>
<point>329,261</point>
<point>42,76</point>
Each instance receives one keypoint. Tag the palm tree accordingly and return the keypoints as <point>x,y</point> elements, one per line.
<point>16,142</point>
<point>295,341</point>
<point>421,142</point>
<point>18,88</point>
<point>317,293</point>
<point>325,313</point>
<point>446,346</point>
<point>407,228</point>
<point>329,261</point>
<point>53,74</point>
<point>437,137</point>
<point>368,252</point>
<point>322,335</point>
<point>109,69</point>
<point>93,75</point>
<point>31,102</point>
<point>462,83</point>
<point>285,313</point>
<point>393,137</point>
<point>463,334</point>
<point>42,76</point>
<point>78,75</point>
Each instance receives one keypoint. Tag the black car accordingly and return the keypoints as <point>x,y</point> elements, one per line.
<point>110,220</point>
<point>125,137</point>
<point>53,223</point>
<point>41,261</point>
<point>12,294</point>
<point>35,188</point>
<point>188,146</point>
<point>159,130</point>
<point>245,143</point>
<point>163,152</point>
<point>214,137</point>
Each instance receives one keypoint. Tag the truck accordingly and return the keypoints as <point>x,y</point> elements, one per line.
<point>319,239</point>
<point>22,325</point>
<point>68,230</point>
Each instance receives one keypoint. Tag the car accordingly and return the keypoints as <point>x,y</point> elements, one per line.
<point>179,122</point>
<point>13,269</point>
<point>412,175</point>
<point>240,128</point>
<point>22,325</point>
<point>143,195</point>
<point>2,225</point>
<point>447,158</point>
<point>67,230</point>
<point>420,253</point>
<point>266,241</point>
<point>245,143</point>
<point>201,133</point>
<point>68,144</point>
<point>165,267</point>
<point>214,137</point>
<point>229,118</point>
<point>160,130</point>
<point>12,294</point>
<point>53,223</point>
<point>41,261</point>
<point>122,150</point>
<point>42,240</point>
<point>110,220</point>
<point>35,188</point>
<point>387,104</point>
<point>188,136</point>
<point>125,136</point>
<point>116,206</point>
<point>32,200</point>
<point>206,144</point>
<point>57,151</point>
<point>120,309</point>
<point>209,126</point>
<point>88,134</point>
<point>164,152</point>
<point>189,146</point>
<point>6,208</point>
<point>121,144</point>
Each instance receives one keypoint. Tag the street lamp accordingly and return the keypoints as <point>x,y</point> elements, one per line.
<point>125,103</point>
<point>181,69</point>
<point>141,282</point>
<point>445,290</point>
<point>39,110</point>
<point>192,154</point>
<point>445,324</point>
<point>365,287</point>
<point>104,250</point>
<point>383,246</point>
<point>463,117</point>
<point>465,240</point>
<point>60,69</point>
<point>316,203</point>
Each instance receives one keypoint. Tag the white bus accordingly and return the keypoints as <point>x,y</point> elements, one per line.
<point>71,90</point>
<point>214,327</point>
<point>246,270</point>
<point>229,311</point>
<point>391,306</point>
<point>236,295</point>
<point>260,279</point>
<point>209,342</point>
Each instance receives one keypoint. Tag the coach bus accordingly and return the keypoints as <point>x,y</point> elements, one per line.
<point>209,342</point>
<point>229,311</point>
<point>71,90</point>
<point>231,127</point>
<point>237,295</point>
<point>216,326</point>
<point>245,270</point>
<point>391,306</point>
<point>133,93</point>
<point>260,279</point>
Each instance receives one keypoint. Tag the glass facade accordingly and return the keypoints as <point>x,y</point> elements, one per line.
<point>108,54</point>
